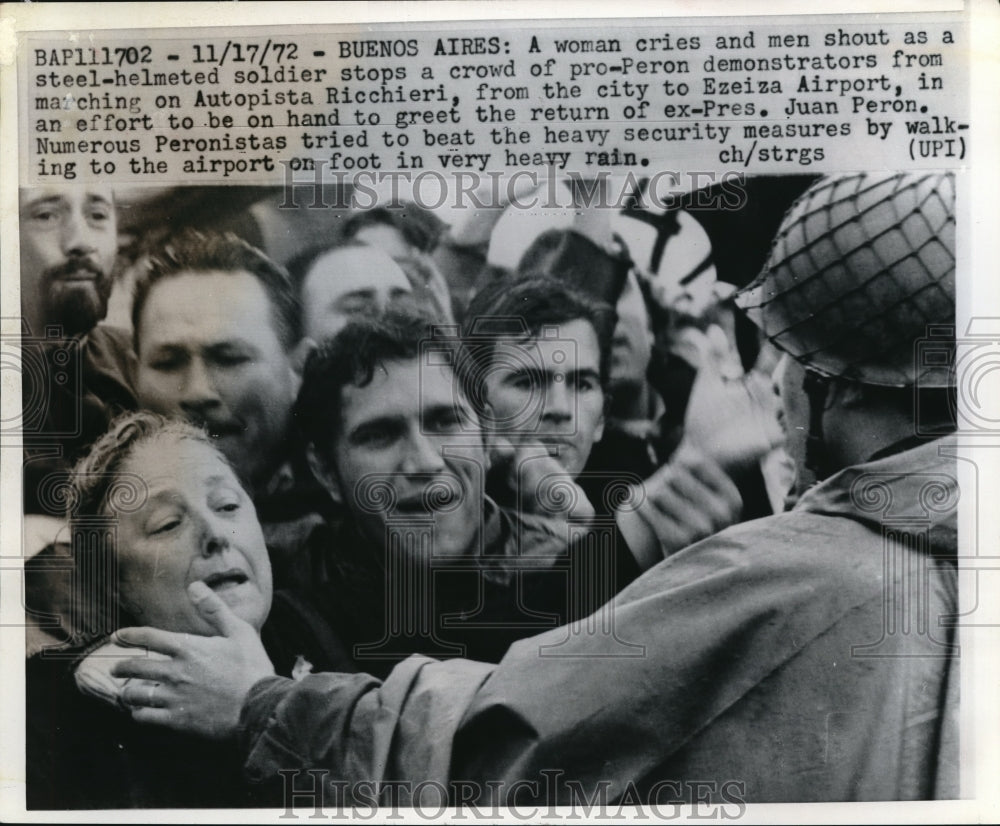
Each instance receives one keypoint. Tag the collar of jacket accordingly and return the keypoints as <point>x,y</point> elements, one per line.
<point>913,491</point>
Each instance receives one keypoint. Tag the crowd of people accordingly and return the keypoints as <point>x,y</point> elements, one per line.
<point>551,505</point>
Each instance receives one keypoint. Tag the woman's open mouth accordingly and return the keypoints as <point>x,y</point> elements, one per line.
<point>223,580</point>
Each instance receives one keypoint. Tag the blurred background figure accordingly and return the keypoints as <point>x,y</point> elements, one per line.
<point>409,234</point>
<point>400,227</point>
<point>337,284</point>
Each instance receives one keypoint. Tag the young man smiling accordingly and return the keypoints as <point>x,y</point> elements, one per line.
<point>423,559</point>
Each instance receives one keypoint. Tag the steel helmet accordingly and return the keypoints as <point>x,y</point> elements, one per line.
<point>862,265</point>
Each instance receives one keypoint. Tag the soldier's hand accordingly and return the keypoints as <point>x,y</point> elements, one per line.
<point>201,685</point>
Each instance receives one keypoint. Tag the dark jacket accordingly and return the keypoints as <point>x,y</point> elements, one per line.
<point>71,390</point>
<point>531,573</point>
<point>85,754</point>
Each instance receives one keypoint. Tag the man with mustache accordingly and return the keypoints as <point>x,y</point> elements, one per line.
<point>422,560</point>
<point>68,246</point>
<point>77,373</point>
<point>808,656</point>
<point>216,326</point>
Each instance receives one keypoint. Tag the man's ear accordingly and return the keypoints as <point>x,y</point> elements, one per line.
<point>845,394</point>
<point>599,430</point>
<point>324,475</point>
<point>300,353</point>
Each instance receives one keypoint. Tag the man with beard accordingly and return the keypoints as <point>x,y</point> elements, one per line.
<point>77,374</point>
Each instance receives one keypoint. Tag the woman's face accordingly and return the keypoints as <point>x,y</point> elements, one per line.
<point>196,524</point>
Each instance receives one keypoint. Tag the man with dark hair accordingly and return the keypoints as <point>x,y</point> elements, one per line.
<point>807,656</point>
<point>409,234</point>
<point>398,446</point>
<point>347,413</point>
<point>398,228</point>
<point>536,359</point>
<point>646,404</point>
<point>216,326</point>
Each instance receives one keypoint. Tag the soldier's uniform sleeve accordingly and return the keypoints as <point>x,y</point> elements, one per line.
<point>734,648</point>
<point>357,728</point>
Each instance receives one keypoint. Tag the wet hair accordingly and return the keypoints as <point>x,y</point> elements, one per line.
<point>350,358</point>
<point>419,226</point>
<point>98,489</point>
<point>519,308</point>
<point>418,274</point>
<point>196,253</point>
<point>93,478</point>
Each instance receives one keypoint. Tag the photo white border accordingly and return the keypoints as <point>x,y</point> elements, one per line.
<point>979,254</point>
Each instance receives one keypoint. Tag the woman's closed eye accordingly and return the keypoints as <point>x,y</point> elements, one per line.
<point>227,506</point>
<point>225,500</point>
<point>164,524</point>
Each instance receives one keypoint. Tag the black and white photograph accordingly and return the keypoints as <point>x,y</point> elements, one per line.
<point>443,412</point>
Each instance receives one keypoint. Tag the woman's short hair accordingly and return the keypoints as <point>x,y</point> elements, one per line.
<point>94,478</point>
<point>99,488</point>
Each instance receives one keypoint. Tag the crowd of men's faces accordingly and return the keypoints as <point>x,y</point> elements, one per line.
<point>210,352</point>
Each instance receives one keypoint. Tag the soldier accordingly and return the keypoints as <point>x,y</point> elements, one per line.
<point>794,656</point>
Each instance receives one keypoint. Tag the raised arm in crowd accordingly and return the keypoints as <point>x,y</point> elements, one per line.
<point>533,533</point>
<point>769,654</point>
